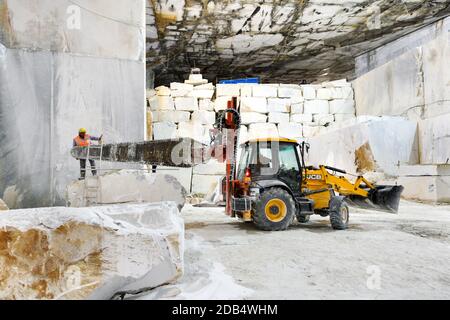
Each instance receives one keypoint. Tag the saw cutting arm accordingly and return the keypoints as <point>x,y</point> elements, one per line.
<point>178,153</point>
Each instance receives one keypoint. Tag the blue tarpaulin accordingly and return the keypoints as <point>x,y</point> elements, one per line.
<point>243,80</point>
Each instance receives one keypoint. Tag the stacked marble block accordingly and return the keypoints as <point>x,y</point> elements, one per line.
<point>187,110</point>
<point>183,110</point>
<point>287,110</point>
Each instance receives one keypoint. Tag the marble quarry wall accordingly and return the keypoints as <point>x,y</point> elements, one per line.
<point>65,66</point>
<point>268,110</point>
<point>410,78</point>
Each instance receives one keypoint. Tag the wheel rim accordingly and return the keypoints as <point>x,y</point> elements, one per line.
<point>344,214</point>
<point>276,210</point>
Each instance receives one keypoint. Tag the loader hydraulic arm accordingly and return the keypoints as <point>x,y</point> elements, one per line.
<point>362,193</point>
<point>343,186</point>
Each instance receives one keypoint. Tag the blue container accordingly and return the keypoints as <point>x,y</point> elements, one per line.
<point>238,81</point>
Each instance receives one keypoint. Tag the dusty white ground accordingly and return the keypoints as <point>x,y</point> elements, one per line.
<point>381,256</point>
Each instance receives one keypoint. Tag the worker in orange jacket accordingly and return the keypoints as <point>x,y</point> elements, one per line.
<point>84,140</point>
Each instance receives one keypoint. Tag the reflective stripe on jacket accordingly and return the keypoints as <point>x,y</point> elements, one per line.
<point>82,142</point>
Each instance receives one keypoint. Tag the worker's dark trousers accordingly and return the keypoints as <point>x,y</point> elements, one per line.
<point>83,167</point>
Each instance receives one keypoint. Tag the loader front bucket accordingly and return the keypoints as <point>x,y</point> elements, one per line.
<point>382,198</point>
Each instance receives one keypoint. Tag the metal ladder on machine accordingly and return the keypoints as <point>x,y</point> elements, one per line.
<point>91,184</point>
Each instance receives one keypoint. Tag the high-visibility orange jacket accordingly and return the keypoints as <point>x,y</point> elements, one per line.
<point>78,142</point>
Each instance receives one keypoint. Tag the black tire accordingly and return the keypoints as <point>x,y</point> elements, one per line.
<point>303,219</point>
<point>272,222</point>
<point>339,214</point>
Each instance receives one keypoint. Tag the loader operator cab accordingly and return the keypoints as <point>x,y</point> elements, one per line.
<point>271,161</point>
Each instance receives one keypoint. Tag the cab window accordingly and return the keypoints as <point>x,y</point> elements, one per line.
<point>288,158</point>
<point>265,156</point>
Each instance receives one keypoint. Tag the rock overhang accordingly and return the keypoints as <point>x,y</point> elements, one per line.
<point>280,41</point>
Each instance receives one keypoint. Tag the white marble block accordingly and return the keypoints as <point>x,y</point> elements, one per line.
<point>221,103</point>
<point>289,91</point>
<point>158,103</point>
<point>309,92</point>
<point>310,131</point>
<point>317,107</point>
<point>252,104</point>
<point>203,94</point>
<point>246,90</point>
<point>204,117</point>
<point>278,105</point>
<point>233,90</point>
<point>204,184</point>
<point>348,93</point>
<point>341,117</point>
<point>324,94</point>
<point>163,91</point>
<point>171,116</point>
<point>253,117</point>
<point>301,118</point>
<point>192,130</point>
<point>297,108</point>
<point>290,130</point>
<point>186,104</point>
<point>342,106</point>
<point>323,119</point>
<point>265,90</point>
<point>278,117</point>
<point>181,86</point>
<point>164,130</point>
<point>262,130</point>
<point>89,253</point>
<point>181,89</point>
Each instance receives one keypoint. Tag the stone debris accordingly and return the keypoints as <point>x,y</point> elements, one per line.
<point>89,253</point>
<point>125,186</point>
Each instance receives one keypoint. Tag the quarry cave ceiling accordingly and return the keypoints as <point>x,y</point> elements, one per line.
<point>287,41</point>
